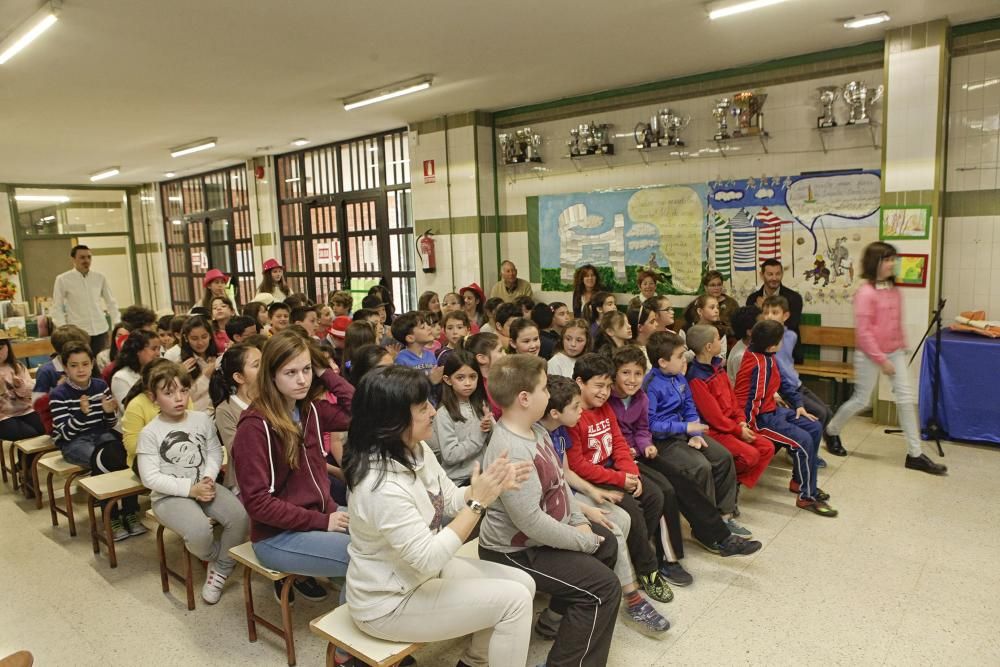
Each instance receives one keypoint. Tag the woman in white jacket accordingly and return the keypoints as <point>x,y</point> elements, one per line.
<point>403,568</point>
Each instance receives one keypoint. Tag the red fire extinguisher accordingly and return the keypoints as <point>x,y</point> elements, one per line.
<point>425,246</point>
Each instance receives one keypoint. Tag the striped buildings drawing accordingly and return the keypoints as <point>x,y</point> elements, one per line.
<point>744,242</point>
<point>722,246</point>
<point>768,234</point>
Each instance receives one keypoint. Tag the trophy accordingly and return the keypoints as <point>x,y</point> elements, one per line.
<point>647,135</point>
<point>859,96</point>
<point>827,96</point>
<point>746,109</point>
<point>590,139</point>
<point>521,146</point>
<point>721,113</point>
<point>672,125</point>
<point>574,141</point>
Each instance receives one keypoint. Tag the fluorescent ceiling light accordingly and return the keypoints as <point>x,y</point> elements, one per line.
<point>175,198</point>
<point>194,147</point>
<point>867,20</point>
<point>169,174</point>
<point>48,218</point>
<point>300,142</point>
<point>981,84</point>
<point>28,32</point>
<point>105,173</point>
<point>388,92</point>
<point>718,10</point>
<point>50,199</point>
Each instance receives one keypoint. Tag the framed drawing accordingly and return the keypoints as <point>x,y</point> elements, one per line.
<point>904,223</point>
<point>911,270</point>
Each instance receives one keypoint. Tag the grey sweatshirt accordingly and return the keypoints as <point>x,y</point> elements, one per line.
<point>542,512</point>
<point>459,444</point>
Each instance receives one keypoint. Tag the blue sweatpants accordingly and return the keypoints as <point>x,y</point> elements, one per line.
<point>802,436</point>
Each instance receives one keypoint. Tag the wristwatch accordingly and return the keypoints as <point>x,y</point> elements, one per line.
<point>475,506</point>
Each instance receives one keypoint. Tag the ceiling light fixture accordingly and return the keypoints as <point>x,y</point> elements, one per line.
<point>981,84</point>
<point>388,92</point>
<point>169,174</point>
<point>193,147</point>
<point>28,31</point>
<point>867,20</point>
<point>300,142</point>
<point>48,218</point>
<point>719,10</point>
<point>48,199</point>
<point>104,173</point>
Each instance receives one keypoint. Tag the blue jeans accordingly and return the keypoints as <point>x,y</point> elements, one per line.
<point>802,436</point>
<point>313,553</point>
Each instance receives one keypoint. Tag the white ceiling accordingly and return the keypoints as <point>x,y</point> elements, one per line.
<point>118,83</point>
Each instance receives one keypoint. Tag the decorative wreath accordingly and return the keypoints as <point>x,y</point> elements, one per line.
<point>9,266</point>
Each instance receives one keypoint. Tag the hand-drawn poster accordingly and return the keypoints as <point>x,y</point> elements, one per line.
<point>815,224</point>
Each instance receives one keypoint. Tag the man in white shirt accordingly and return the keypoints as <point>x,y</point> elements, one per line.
<point>76,298</point>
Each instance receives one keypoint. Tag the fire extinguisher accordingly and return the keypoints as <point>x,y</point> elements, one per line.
<point>425,246</point>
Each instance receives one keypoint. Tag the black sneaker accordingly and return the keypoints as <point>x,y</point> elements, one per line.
<point>734,545</point>
<point>310,589</point>
<point>676,574</point>
<point>277,592</point>
<point>923,463</point>
<point>833,445</point>
<point>547,625</point>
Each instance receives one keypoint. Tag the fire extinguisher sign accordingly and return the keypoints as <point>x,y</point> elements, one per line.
<point>430,176</point>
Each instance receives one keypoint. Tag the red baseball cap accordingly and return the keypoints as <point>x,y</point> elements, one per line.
<point>338,328</point>
<point>473,287</point>
<point>272,264</point>
<point>213,275</point>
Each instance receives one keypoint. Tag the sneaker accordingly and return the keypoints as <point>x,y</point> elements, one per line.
<point>277,592</point>
<point>833,445</point>
<point>734,545</point>
<point>656,586</point>
<point>816,507</point>
<point>547,625</point>
<point>134,526</point>
<point>646,619</point>
<point>736,528</point>
<point>214,581</point>
<point>310,589</point>
<point>923,463</point>
<point>118,530</point>
<point>795,487</point>
<point>820,462</point>
<point>676,574</point>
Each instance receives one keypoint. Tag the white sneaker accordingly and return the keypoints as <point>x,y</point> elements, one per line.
<point>214,581</point>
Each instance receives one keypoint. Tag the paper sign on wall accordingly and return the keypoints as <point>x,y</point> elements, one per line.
<point>430,176</point>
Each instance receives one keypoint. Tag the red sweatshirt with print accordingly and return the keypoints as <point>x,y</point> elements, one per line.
<point>600,453</point>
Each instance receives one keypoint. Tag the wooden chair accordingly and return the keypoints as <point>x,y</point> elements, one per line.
<point>53,464</point>
<point>25,476</point>
<point>339,630</point>
<point>187,578</point>
<point>244,555</point>
<point>840,373</point>
<point>108,488</point>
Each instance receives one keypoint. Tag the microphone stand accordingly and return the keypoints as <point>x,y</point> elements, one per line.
<point>933,429</point>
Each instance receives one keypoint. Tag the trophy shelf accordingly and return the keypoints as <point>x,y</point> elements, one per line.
<point>580,159</point>
<point>825,132</point>
<point>524,169</point>
<point>668,152</point>
<point>723,144</point>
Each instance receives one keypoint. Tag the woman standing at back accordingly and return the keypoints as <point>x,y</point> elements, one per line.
<point>586,283</point>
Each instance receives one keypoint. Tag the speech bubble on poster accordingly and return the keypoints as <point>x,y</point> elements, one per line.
<point>847,196</point>
<point>678,213</point>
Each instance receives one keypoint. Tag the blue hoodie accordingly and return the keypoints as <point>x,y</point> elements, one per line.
<point>671,406</point>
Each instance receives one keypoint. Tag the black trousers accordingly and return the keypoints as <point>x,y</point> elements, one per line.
<point>815,405</point>
<point>645,512</point>
<point>584,590</point>
<point>21,428</point>
<point>98,342</point>
<point>689,499</point>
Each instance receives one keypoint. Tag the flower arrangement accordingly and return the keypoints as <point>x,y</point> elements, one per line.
<point>9,266</point>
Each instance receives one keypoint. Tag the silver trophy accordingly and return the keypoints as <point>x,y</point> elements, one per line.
<point>672,124</point>
<point>591,139</point>
<point>520,146</point>
<point>721,112</point>
<point>860,97</point>
<point>827,96</point>
<point>647,135</point>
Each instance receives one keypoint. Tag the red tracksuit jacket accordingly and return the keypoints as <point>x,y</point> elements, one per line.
<point>714,396</point>
<point>600,453</point>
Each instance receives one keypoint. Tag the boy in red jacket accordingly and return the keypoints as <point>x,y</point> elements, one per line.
<point>716,402</point>
<point>601,456</point>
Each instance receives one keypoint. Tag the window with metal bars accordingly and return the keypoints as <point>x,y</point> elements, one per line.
<point>207,226</point>
<point>345,218</point>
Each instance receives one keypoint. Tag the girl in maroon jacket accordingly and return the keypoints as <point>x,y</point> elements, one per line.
<point>280,466</point>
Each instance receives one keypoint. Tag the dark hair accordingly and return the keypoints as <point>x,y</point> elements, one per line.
<point>177,324</point>
<point>577,323</point>
<point>164,375</point>
<point>507,311</point>
<point>381,414</point>
<point>74,347</point>
<point>713,274</point>
<point>691,312</point>
<point>199,310</point>
<point>662,345</point>
<point>298,300</point>
<point>524,303</point>
<point>424,302</point>
<point>459,315</point>
<point>66,333</point>
<point>561,393</point>
<point>590,311</point>
<point>224,299</point>
<point>872,256</point>
<point>257,340</point>
<point>11,359</point>
<point>630,354</point>
<point>592,365</point>
<point>404,325</point>
<point>222,385</point>
<point>770,262</point>
<point>765,334</point>
<point>252,310</point>
<point>237,325</point>
<point>775,301</point>
<point>299,313</point>
<point>491,305</point>
<point>634,314</point>
<point>372,302</point>
<point>609,320</point>
<point>363,314</point>
<point>743,320</point>
<point>517,326</point>
<point>267,283</point>
<point>77,248</point>
<point>198,322</point>
<point>556,305</point>
<point>163,324</point>
<point>483,342</point>
<point>138,317</point>
<point>113,339</point>
<point>541,315</point>
<point>357,335</point>
<point>452,363</point>
<point>276,306</point>
<point>430,317</point>
<point>578,288</point>
<point>143,383</point>
<point>364,359</point>
<point>128,356</point>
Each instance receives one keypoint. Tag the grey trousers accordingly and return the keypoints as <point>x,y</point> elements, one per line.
<point>711,468</point>
<point>189,518</point>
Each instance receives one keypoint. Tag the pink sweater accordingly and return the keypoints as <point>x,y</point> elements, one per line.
<point>878,321</point>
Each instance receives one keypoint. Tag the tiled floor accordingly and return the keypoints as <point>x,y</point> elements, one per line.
<point>906,575</point>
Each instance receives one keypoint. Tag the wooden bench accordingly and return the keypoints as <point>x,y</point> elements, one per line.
<point>108,488</point>
<point>187,578</point>
<point>245,556</point>
<point>339,630</point>
<point>53,464</point>
<point>840,373</point>
<point>25,475</point>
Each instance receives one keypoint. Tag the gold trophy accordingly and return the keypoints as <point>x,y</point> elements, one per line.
<point>747,111</point>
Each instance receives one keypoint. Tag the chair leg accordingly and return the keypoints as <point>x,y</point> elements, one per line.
<point>15,472</point>
<point>188,577</point>
<point>26,475</point>
<point>331,653</point>
<point>68,497</point>
<point>3,462</point>
<point>34,481</point>
<point>248,604</point>
<point>106,516</point>
<point>52,498</point>
<point>91,512</point>
<point>161,553</point>
<point>286,619</point>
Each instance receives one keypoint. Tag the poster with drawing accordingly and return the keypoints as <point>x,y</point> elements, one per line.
<point>815,224</point>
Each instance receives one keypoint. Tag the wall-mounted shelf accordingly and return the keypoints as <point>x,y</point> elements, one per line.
<point>678,152</point>
<point>579,160</point>
<point>521,170</point>
<point>723,144</point>
<point>824,132</point>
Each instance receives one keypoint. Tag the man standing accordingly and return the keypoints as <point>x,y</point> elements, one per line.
<point>77,295</point>
<point>509,287</point>
<point>771,273</point>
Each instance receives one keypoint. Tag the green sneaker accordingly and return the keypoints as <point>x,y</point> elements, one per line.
<point>656,587</point>
<point>118,530</point>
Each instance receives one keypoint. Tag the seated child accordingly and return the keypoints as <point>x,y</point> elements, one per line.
<point>716,403</point>
<point>240,327</point>
<point>598,505</point>
<point>413,332</point>
<point>456,328</point>
<point>776,308</point>
<point>742,322</point>
<point>680,494</point>
<point>574,341</point>
<point>485,347</point>
<point>52,372</point>
<point>178,457</point>
<point>463,421</point>
<point>543,316</point>
<point>601,456</point>
<point>538,527</point>
<point>758,381</point>
<point>233,388</point>
<point>704,310</point>
<point>504,315</point>
<point>278,314</point>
